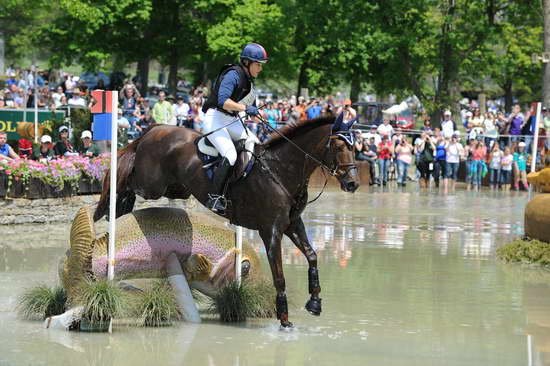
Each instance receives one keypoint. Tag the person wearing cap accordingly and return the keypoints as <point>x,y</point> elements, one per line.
<point>76,98</point>
<point>6,151</point>
<point>88,148</point>
<point>448,126</point>
<point>520,167</point>
<point>373,134</point>
<point>232,96</point>
<point>181,113</point>
<point>44,152</point>
<point>385,129</point>
<point>63,147</point>
<point>349,112</point>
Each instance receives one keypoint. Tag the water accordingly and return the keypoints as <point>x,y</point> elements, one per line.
<point>407,279</point>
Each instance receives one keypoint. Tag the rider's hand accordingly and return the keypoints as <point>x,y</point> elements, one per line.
<point>252,110</point>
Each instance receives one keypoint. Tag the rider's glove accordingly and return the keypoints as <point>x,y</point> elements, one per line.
<point>252,110</point>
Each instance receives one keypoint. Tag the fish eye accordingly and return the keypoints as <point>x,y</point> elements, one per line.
<point>245,268</point>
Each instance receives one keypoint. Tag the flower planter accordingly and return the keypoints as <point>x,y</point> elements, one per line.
<point>35,189</point>
<point>67,191</point>
<point>96,186</point>
<point>84,186</point>
<point>51,191</point>
<point>3,184</point>
<point>16,189</point>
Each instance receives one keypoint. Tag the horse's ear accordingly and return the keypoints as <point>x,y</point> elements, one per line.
<point>337,125</point>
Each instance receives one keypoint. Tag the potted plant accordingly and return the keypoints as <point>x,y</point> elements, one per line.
<point>102,300</point>
<point>41,302</point>
<point>155,306</point>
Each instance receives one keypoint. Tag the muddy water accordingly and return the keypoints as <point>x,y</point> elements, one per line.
<point>407,278</point>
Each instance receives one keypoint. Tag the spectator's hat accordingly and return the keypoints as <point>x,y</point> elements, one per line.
<point>63,128</point>
<point>521,144</point>
<point>456,134</point>
<point>45,139</point>
<point>86,135</point>
<point>347,102</point>
<point>447,113</point>
<point>373,127</point>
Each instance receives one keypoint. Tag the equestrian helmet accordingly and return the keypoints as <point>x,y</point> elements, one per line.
<point>254,52</point>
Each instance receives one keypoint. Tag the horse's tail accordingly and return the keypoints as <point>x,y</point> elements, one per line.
<point>125,167</point>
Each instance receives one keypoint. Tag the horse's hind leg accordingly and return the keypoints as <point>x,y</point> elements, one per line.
<point>272,241</point>
<point>125,203</point>
<point>297,233</point>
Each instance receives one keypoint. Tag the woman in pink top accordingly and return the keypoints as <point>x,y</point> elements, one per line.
<point>404,152</point>
<point>479,152</point>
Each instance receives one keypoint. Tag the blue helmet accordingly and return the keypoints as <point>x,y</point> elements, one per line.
<point>254,52</point>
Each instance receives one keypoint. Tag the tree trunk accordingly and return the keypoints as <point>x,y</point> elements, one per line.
<point>143,74</point>
<point>173,76</point>
<point>355,89</point>
<point>508,96</point>
<point>546,80</point>
<point>302,79</point>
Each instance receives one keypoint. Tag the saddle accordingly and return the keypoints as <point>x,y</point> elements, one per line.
<point>211,157</point>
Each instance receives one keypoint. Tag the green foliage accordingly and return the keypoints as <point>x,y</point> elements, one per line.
<point>236,303</point>
<point>41,302</point>
<point>156,306</point>
<point>525,251</point>
<point>102,300</point>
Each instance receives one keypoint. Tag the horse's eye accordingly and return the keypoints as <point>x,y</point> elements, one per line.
<point>245,268</point>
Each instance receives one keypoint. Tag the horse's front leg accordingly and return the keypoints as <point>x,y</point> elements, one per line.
<point>297,233</point>
<point>272,241</point>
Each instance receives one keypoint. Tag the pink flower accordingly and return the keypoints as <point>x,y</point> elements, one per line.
<point>8,172</point>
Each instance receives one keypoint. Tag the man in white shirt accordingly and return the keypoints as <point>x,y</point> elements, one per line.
<point>181,112</point>
<point>76,99</point>
<point>447,125</point>
<point>385,129</point>
<point>367,136</point>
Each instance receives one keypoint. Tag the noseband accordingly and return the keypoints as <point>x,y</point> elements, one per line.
<point>348,168</point>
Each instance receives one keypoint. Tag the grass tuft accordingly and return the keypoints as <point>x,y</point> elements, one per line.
<point>156,306</point>
<point>41,302</point>
<point>525,251</point>
<point>102,300</point>
<point>236,303</point>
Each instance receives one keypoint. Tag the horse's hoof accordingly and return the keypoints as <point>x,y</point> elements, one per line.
<point>313,306</point>
<point>286,325</point>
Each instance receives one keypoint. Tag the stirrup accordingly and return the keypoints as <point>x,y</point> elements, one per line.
<point>217,202</point>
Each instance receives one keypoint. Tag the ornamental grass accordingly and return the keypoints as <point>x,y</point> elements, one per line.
<point>41,302</point>
<point>236,303</point>
<point>101,300</point>
<point>155,306</point>
<point>525,250</point>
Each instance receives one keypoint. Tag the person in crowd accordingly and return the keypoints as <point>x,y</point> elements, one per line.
<point>454,152</point>
<point>313,110</point>
<point>385,151</point>
<point>349,112</point>
<point>506,165</point>
<point>475,124</point>
<point>271,115</point>
<point>301,108</point>
<point>478,154</point>
<point>128,96</point>
<point>100,85</point>
<point>123,127</point>
<point>359,145</point>
<point>397,137</point>
<point>145,121</point>
<point>385,129</point>
<point>371,152</point>
<point>76,99</point>
<point>284,111</point>
<point>198,117</point>
<point>546,126</point>
<point>63,147</point>
<point>448,126</point>
<point>490,130</point>
<point>181,112</point>
<point>6,151</point>
<point>162,110</point>
<point>516,121</point>
<point>495,160</point>
<point>403,152</point>
<point>440,160</point>
<point>424,149</point>
<point>88,148</point>
<point>501,123</point>
<point>25,148</point>
<point>426,126</point>
<point>520,167</point>
<point>373,133</point>
<point>44,152</point>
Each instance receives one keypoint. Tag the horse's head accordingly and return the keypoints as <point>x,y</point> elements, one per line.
<point>342,154</point>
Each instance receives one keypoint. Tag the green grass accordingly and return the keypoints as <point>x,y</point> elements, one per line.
<point>102,300</point>
<point>155,306</point>
<point>525,251</point>
<point>41,302</point>
<point>236,303</point>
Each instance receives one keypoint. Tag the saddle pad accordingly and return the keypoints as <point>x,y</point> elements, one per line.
<point>207,149</point>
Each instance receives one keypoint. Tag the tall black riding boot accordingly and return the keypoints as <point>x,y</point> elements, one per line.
<point>217,201</point>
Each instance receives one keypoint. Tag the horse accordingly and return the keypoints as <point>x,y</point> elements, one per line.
<point>165,161</point>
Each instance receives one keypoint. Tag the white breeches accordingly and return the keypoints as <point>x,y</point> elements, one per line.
<point>223,139</point>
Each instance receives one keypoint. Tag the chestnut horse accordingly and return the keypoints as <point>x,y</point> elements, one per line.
<point>165,162</point>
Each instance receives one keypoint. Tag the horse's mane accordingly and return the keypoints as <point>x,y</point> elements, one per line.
<point>295,129</point>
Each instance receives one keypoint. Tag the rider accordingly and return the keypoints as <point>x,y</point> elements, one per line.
<point>232,96</point>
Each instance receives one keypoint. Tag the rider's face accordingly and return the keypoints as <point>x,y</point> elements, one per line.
<point>255,69</point>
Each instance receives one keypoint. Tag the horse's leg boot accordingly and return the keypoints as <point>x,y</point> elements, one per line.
<point>313,306</point>
<point>282,311</point>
